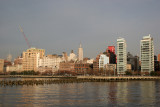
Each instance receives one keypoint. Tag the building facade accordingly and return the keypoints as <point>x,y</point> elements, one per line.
<point>103,60</point>
<point>1,65</point>
<point>82,68</point>
<point>110,52</point>
<point>50,62</point>
<point>134,61</point>
<point>80,53</point>
<point>67,66</point>
<point>121,56</point>
<point>18,61</point>
<point>72,56</point>
<point>17,68</point>
<point>31,59</point>
<point>147,54</point>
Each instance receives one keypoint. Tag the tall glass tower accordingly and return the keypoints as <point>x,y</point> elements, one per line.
<point>121,56</point>
<point>147,54</point>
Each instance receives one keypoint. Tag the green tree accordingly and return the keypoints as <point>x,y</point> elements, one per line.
<point>128,73</point>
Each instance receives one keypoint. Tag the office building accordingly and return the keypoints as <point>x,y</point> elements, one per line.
<point>147,54</point>
<point>121,56</point>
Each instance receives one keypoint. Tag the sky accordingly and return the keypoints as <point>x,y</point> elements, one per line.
<point>61,25</point>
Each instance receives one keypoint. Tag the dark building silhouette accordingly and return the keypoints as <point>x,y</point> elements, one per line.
<point>110,52</point>
<point>156,64</point>
<point>134,61</point>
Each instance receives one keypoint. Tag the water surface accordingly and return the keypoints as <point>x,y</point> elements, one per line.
<point>131,93</point>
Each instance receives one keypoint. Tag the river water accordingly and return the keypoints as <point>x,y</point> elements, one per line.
<point>88,94</point>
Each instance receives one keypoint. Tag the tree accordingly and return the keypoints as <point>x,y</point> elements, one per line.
<point>13,73</point>
<point>128,73</point>
<point>153,73</point>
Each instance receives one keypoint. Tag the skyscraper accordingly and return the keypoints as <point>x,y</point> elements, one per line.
<point>147,54</point>
<point>80,53</point>
<point>121,56</point>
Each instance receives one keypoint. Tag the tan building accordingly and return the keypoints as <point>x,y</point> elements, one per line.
<point>96,63</point>
<point>110,67</point>
<point>40,51</point>
<point>11,68</point>
<point>31,58</point>
<point>128,67</point>
<point>44,69</point>
<point>18,61</point>
<point>1,65</point>
<point>67,66</point>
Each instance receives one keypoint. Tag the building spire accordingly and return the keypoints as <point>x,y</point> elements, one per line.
<point>80,46</point>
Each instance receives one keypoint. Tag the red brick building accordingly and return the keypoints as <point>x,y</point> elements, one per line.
<point>82,68</point>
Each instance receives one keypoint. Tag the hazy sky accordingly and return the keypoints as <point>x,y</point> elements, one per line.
<point>60,25</point>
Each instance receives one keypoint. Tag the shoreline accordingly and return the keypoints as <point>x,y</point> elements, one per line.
<point>86,77</point>
<point>75,79</point>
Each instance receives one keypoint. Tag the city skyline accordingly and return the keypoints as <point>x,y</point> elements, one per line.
<point>59,26</point>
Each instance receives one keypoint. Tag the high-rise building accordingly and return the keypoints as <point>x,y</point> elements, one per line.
<point>80,53</point>
<point>31,58</point>
<point>147,54</point>
<point>121,56</point>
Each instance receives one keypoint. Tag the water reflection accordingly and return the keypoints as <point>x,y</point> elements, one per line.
<point>132,93</point>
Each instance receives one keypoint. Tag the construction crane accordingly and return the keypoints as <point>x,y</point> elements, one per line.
<point>24,36</point>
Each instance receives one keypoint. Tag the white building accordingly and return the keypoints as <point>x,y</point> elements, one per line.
<point>121,56</point>
<point>17,68</point>
<point>72,56</point>
<point>103,60</point>
<point>80,53</point>
<point>50,62</point>
<point>90,61</point>
<point>147,54</point>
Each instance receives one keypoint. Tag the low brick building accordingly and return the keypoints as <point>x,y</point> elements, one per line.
<point>82,68</point>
